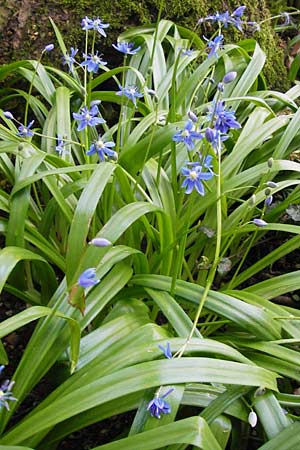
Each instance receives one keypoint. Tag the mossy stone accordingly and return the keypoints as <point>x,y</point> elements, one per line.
<point>26,29</point>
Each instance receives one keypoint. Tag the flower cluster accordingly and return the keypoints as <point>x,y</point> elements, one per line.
<point>225,19</point>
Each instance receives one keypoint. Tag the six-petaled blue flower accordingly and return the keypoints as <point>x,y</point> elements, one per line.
<point>187,135</point>
<point>25,131</point>
<point>94,24</point>
<point>194,177</point>
<point>159,406</point>
<point>92,62</point>
<point>5,392</point>
<point>69,59</point>
<point>102,148</point>
<point>126,48</point>
<point>130,92</point>
<point>214,45</point>
<point>88,278</point>
<point>223,119</point>
<point>87,117</point>
<point>60,147</point>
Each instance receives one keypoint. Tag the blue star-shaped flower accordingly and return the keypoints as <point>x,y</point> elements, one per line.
<point>214,45</point>
<point>102,148</point>
<point>187,135</point>
<point>94,24</point>
<point>194,175</point>
<point>69,59</point>
<point>5,392</point>
<point>130,92</point>
<point>87,117</point>
<point>159,406</point>
<point>223,118</point>
<point>92,62</point>
<point>126,48</point>
<point>25,131</point>
<point>88,278</point>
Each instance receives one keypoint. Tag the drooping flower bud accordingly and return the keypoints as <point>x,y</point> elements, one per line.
<point>100,242</point>
<point>49,47</point>
<point>252,419</point>
<point>229,77</point>
<point>260,222</point>
<point>270,162</point>
<point>8,115</point>
<point>192,116</point>
<point>271,184</point>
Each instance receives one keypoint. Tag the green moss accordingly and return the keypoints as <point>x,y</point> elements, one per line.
<point>122,14</point>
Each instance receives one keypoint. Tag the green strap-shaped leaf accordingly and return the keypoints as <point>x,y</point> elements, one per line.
<point>288,439</point>
<point>36,312</point>
<point>83,215</point>
<point>193,431</point>
<point>10,256</point>
<point>139,378</point>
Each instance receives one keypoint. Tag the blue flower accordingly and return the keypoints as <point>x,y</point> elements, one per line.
<point>25,131</point>
<point>159,406</point>
<point>86,117</point>
<point>166,351</point>
<point>130,92</point>
<point>102,148</point>
<point>187,135</point>
<point>5,392</point>
<point>227,19</point>
<point>214,138</point>
<point>94,24</point>
<point>214,45</point>
<point>60,147</point>
<point>186,51</point>
<point>223,119</point>
<point>126,48</point>
<point>88,278</point>
<point>92,62</point>
<point>69,59</point>
<point>194,177</point>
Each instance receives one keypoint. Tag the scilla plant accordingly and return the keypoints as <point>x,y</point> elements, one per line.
<point>135,199</point>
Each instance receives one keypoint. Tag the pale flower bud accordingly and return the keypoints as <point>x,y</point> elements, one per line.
<point>252,419</point>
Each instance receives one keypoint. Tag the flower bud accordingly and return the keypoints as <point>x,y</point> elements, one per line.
<point>192,116</point>
<point>100,242</point>
<point>48,48</point>
<point>269,200</point>
<point>209,134</point>
<point>8,115</point>
<point>270,162</point>
<point>252,419</point>
<point>271,184</point>
<point>260,222</point>
<point>229,77</point>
